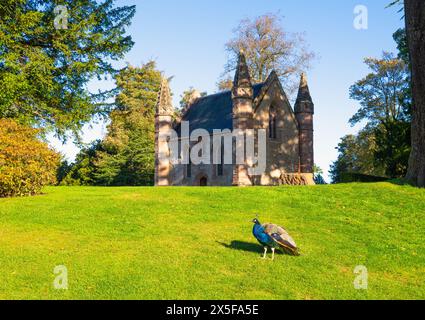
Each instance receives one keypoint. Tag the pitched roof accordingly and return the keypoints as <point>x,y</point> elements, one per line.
<point>213,112</point>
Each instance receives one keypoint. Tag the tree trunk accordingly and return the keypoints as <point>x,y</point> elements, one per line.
<point>415,28</point>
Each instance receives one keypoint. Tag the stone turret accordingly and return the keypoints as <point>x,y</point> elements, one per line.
<point>304,111</point>
<point>242,97</point>
<point>163,124</point>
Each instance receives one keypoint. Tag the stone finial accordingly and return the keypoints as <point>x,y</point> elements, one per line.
<point>303,81</point>
<point>242,77</point>
<point>164,105</point>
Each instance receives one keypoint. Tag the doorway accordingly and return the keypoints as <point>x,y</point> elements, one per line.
<point>203,182</point>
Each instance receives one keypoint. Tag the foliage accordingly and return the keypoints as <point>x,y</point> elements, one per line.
<point>194,243</point>
<point>382,148</point>
<point>394,137</point>
<point>63,170</point>
<point>126,155</point>
<point>129,147</point>
<point>382,92</point>
<point>400,38</point>
<point>393,147</point>
<point>226,83</point>
<point>317,169</point>
<point>187,99</point>
<point>356,154</point>
<point>349,177</point>
<point>318,179</point>
<point>82,171</point>
<point>131,165</point>
<point>189,96</point>
<point>26,164</point>
<point>382,151</point>
<point>318,175</point>
<point>397,2</point>
<point>44,71</point>
<point>267,47</point>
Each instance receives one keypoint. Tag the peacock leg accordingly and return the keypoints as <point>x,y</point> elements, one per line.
<point>265,252</point>
<point>273,250</point>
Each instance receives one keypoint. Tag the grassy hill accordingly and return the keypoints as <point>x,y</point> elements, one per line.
<point>196,243</point>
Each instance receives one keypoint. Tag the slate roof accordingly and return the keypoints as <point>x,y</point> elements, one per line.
<point>213,111</point>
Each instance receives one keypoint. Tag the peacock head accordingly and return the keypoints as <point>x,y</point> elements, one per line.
<point>256,221</point>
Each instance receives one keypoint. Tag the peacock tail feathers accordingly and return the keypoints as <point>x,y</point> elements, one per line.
<point>281,238</point>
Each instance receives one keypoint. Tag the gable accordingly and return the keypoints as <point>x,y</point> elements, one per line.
<point>272,93</point>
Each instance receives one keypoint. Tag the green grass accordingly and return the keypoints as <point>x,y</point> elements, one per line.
<point>196,243</point>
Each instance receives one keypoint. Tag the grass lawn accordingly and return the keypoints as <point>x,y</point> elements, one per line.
<point>196,243</point>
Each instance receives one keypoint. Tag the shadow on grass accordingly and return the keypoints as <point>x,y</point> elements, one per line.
<point>400,182</point>
<point>245,246</point>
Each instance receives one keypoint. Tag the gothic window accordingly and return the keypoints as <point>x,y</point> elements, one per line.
<point>272,123</point>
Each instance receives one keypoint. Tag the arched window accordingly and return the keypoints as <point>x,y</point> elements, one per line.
<point>272,123</point>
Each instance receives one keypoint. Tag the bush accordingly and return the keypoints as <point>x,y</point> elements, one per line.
<point>318,179</point>
<point>26,164</point>
<point>348,177</point>
<point>82,171</point>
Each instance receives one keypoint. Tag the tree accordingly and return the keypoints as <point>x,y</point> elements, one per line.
<point>267,46</point>
<point>226,83</point>
<point>400,37</point>
<point>385,106</point>
<point>82,171</point>
<point>129,162</point>
<point>393,147</point>
<point>381,92</point>
<point>415,29</point>
<point>399,131</point>
<point>129,146</point>
<point>26,163</point>
<point>63,170</point>
<point>45,67</point>
<point>190,96</point>
<point>126,155</point>
<point>356,154</point>
<point>318,175</point>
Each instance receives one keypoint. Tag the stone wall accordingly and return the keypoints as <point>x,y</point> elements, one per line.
<point>179,175</point>
<point>282,152</point>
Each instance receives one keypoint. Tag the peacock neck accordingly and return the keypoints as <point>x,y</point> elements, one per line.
<point>258,228</point>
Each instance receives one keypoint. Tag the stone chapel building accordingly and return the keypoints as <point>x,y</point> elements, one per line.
<point>290,156</point>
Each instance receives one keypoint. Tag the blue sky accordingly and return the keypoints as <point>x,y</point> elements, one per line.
<point>187,39</point>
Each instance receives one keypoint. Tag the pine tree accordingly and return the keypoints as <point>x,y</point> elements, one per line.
<point>128,156</point>
<point>47,60</point>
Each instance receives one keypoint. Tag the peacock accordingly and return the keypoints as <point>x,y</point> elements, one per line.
<point>274,237</point>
